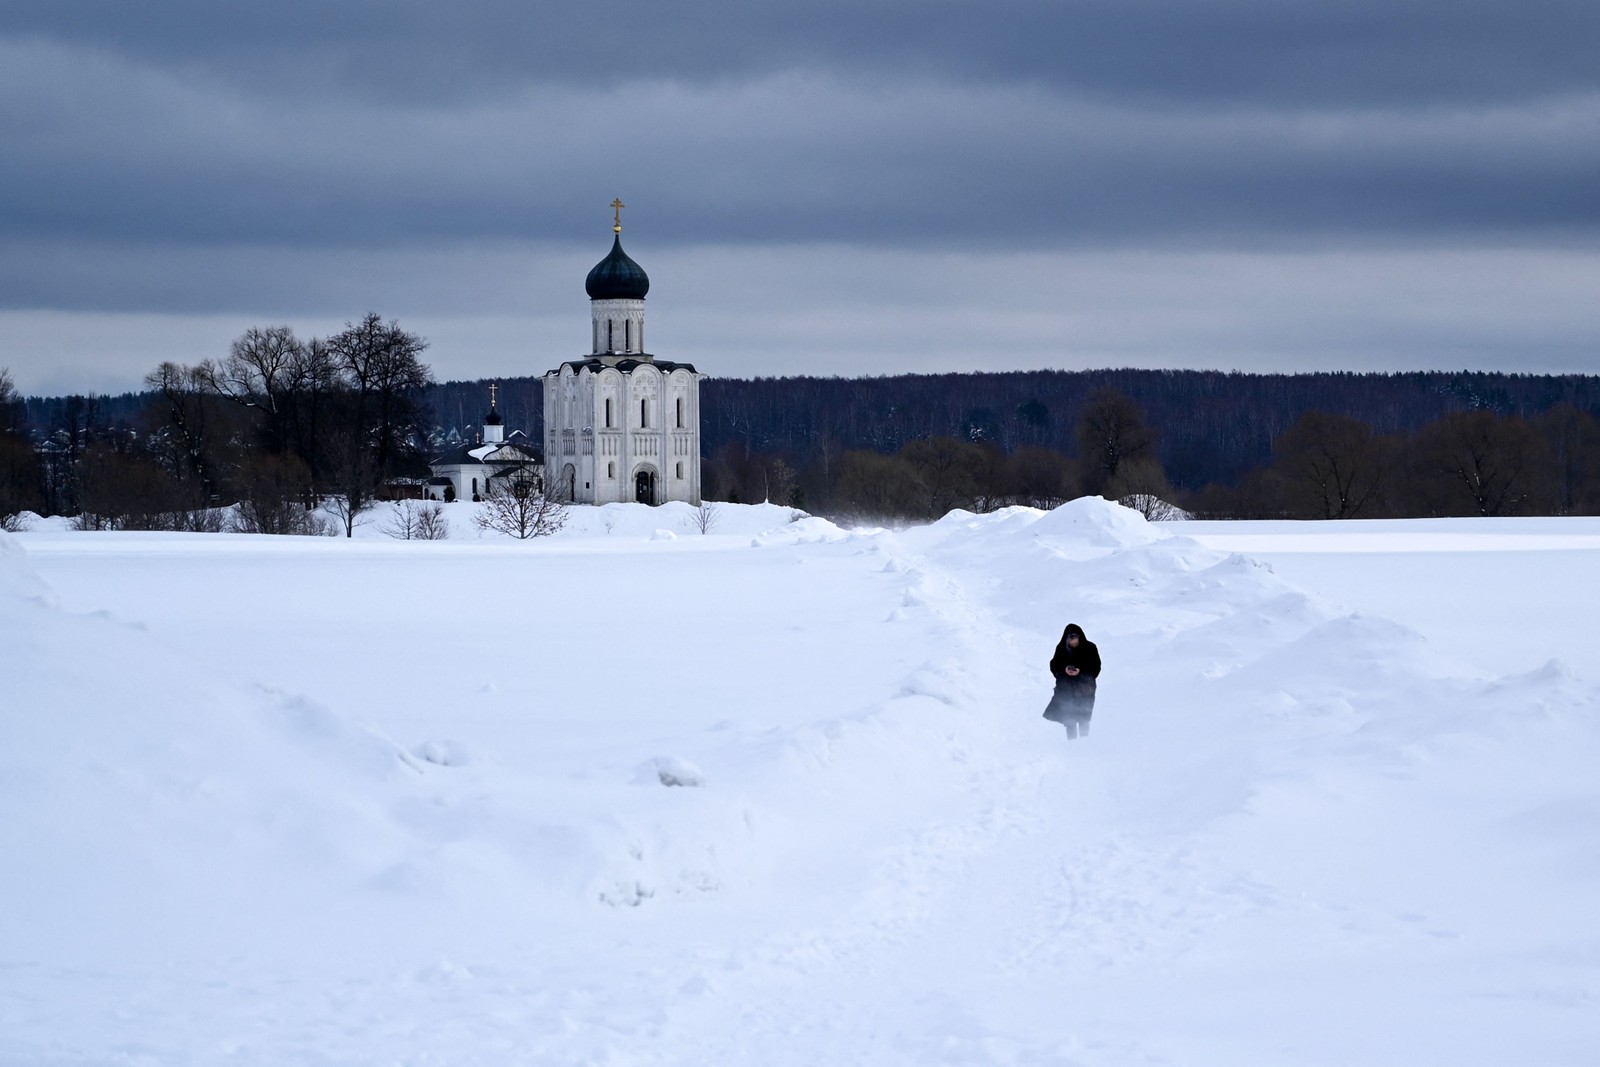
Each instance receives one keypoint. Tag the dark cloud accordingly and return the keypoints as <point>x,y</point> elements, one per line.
<point>191,158</point>
<point>115,152</point>
<point>1280,50</point>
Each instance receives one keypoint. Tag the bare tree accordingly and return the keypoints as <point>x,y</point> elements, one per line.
<point>11,409</point>
<point>273,493</point>
<point>20,474</point>
<point>320,384</point>
<point>351,479</point>
<point>780,481</point>
<point>185,424</point>
<point>20,478</point>
<point>875,486</point>
<point>736,474</point>
<point>264,371</point>
<point>995,478</point>
<point>1573,436</point>
<point>704,517</point>
<point>417,520</point>
<point>381,362</point>
<point>1111,432</point>
<point>947,471</point>
<point>518,506</point>
<point>121,491</point>
<point>1044,477</point>
<point>1153,508</point>
<point>1476,463</point>
<point>1141,484</point>
<point>1330,466</point>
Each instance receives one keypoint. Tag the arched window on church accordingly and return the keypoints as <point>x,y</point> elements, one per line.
<point>680,413</point>
<point>627,335</point>
<point>611,470</point>
<point>644,420</point>
<point>610,345</point>
<point>608,413</point>
<point>680,468</point>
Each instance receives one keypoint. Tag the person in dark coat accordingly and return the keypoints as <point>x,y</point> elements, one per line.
<point>1075,666</point>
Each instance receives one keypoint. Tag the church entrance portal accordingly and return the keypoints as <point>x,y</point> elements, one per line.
<point>569,484</point>
<point>644,487</point>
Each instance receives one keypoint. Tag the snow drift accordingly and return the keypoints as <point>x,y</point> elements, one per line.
<point>780,792</point>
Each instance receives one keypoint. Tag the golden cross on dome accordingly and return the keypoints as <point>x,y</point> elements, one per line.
<point>617,205</point>
<point>492,389</point>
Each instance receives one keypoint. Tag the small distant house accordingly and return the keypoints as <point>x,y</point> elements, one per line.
<point>403,489</point>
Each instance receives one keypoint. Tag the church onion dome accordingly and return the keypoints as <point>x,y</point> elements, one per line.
<point>617,277</point>
<point>493,418</point>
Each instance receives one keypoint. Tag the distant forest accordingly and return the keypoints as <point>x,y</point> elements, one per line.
<point>1209,431</point>
<point>912,446</point>
<point>1213,425</point>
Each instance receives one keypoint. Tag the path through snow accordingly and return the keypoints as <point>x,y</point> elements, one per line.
<point>1295,834</point>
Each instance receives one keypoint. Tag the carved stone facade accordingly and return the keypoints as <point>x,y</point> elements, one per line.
<point>624,430</point>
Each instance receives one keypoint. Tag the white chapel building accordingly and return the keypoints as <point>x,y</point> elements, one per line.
<point>472,472</point>
<point>620,424</point>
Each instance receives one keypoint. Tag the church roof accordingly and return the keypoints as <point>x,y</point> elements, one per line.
<point>617,277</point>
<point>594,363</point>
<point>454,457</point>
<point>514,450</point>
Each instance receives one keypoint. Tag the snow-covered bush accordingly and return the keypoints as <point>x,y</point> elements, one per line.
<point>1153,507</point>
<point>417,520</point>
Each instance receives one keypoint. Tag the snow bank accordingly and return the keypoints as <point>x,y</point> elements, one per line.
<point>143,796</point>
<point>800,530</point>
<point>162,809</point>
<point>793,805</point>
<point>1093,521</point>
<point>18,580</point>
<point>628,521</point>
<point>1085,528</point>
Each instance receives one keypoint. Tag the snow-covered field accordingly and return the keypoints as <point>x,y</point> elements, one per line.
<point>781,794</point>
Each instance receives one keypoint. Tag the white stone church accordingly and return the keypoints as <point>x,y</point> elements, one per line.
<point>619,424</point>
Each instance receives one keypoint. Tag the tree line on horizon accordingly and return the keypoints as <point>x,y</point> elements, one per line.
<point>1323,466</point>
<point>281,419</point>
<point>1214,443</point>
<point>273,429</point>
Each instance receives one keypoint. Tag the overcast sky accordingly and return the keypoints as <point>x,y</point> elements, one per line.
<point>822,186</point>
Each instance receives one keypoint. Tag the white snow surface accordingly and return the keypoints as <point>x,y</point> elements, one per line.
<point>781,794</point>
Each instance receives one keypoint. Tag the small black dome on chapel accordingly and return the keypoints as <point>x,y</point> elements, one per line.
<point>617,277</point>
